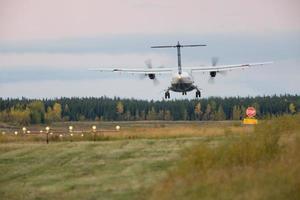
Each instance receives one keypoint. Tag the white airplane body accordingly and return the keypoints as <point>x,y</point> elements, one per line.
<point>182,81</point>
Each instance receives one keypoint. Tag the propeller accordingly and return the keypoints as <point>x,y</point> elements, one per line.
<point>148,63</point>
<point>156,81</point>
<point>214,62</point>
<point>150,66</point>
<point>211,80</point>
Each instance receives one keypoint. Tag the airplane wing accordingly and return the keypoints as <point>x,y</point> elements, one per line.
<point>220,68</point>
<point>136,70</point>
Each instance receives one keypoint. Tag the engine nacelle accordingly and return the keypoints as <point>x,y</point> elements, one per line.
<point>213,74</point>
<point>151,76</point>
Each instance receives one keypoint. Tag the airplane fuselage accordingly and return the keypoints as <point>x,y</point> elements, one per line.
<point>182,82</point>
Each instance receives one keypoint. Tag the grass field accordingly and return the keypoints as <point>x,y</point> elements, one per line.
<point>264,164</point>
<point>157,161</point>
<point>86,170</point>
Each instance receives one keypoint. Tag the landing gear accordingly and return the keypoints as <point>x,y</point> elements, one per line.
<point>167,95</point>
<point>184,93</point>
<point>198,94</point>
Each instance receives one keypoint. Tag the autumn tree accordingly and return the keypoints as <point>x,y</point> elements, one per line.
<point>151,114</point>
<point>208,111</point>
<point>198,111</point>
<point>53,114</point>
<point>220,115</point>
<point>292,108</point>
<point>120,109</point>
<point>21,117</point>
<point>236,112</point>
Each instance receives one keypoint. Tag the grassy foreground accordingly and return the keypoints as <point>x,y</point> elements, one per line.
<point>120,169</point>
<point>183,161</point>
<point>262,165</point>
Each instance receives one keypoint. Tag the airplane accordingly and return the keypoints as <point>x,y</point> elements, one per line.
<point>182,81</point>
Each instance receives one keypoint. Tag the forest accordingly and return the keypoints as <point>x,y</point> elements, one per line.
<point>25,111</point>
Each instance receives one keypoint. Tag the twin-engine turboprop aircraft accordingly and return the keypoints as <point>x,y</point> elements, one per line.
<point>182,81</point>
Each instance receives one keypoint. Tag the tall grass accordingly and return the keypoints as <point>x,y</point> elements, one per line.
<point>261,165</point>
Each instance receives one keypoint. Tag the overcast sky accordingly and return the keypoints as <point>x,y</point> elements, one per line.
<point>46,46</point>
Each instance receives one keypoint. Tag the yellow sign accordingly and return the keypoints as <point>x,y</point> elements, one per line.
<point>250,121</point>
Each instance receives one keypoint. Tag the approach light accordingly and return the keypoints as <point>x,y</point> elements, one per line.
<point>94,128</point>
<point>70,128</point>
<point>47,128</point>
<point>51,133</point>
<point>3,133</point>
<point>16,132</point>
<point>118,127</point>
<point>28,132</point>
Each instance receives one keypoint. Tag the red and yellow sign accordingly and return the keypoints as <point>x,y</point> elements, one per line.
<point>250,121</point>
<point>250,112</point>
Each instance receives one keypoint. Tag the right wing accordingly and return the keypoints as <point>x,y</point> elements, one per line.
<point>135,70</point>
<point>220,68</point>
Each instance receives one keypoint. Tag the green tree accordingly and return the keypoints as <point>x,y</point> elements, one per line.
<point>257,108</point>
<point>37,112</point>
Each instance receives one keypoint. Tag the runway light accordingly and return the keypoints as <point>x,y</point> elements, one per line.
<point>60,135</point>
<point>71,134</point>
<point>118,127</point>
<point>41,131</point>
<point>51,133</point>
<point>47,128</point>
<point>94,132</point>
<point>16,132</point>
<point>24,129</point>
<point>3,133</point>
<point>82,135</point>
<point>70,128</point>
<point>28,132</point>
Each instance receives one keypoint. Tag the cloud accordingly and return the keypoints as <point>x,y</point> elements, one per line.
<point>46,61</point>
<point>34,19</point>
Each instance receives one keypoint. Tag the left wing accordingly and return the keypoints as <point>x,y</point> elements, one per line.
<point>136,71</point>
<point>220,68</point>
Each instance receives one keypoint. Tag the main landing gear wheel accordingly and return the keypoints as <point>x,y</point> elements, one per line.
<point>167,95</point>
<point>198,94</point>
<point>183,93</point>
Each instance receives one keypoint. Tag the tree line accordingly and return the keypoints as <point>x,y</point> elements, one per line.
<point>34,111</point>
